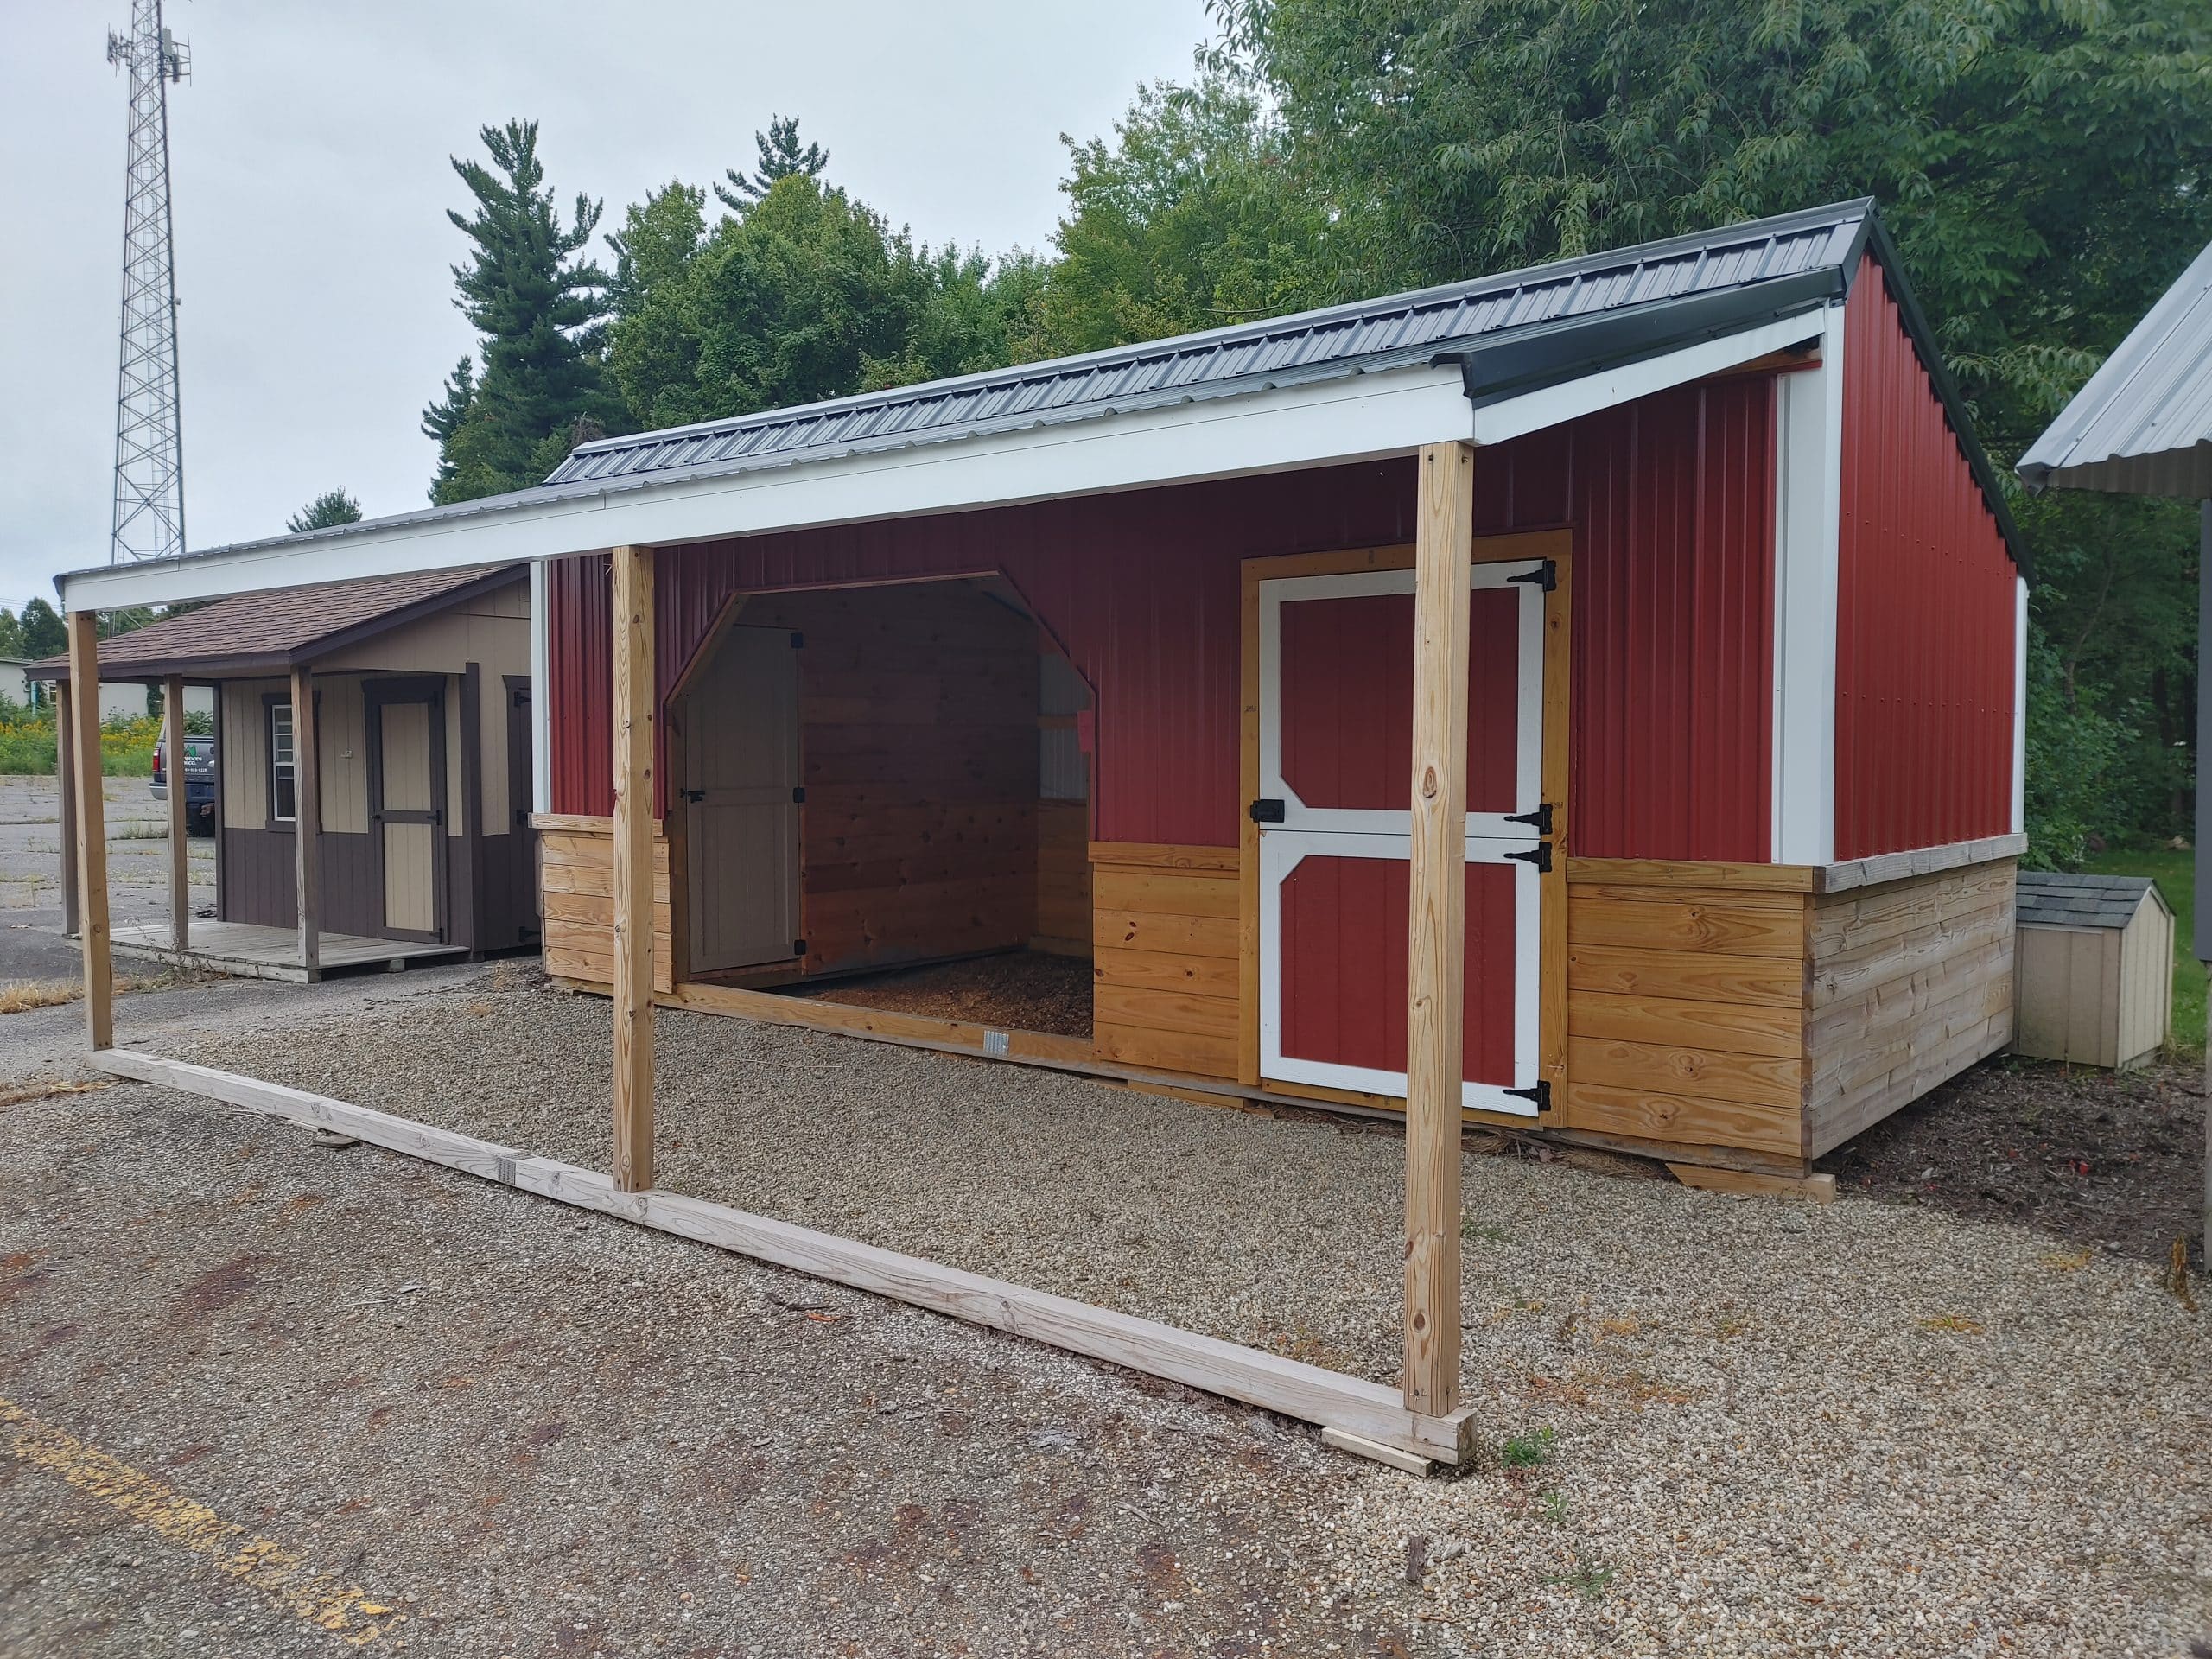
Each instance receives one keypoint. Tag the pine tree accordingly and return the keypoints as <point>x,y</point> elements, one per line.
<point>542,311</point>
<point>330,508</point>
<point>780,157</point>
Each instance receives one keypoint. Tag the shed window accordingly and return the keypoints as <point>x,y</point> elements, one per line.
<point>283,776</point>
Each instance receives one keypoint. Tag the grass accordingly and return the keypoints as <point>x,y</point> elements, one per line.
<point>1526,1451</point>
<point>2175,871</point>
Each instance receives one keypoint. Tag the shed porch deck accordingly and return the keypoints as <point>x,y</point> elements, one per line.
<point>249,950</point>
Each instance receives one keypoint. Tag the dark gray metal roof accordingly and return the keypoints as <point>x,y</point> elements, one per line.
<point>2049,898</point>
<point>1400,329</point>
<point>2143,424</point>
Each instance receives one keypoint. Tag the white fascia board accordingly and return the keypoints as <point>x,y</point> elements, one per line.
<point>1360,418</point>
<point>1808,488</point>
<point>1513,417</point>
<point>541,692</point>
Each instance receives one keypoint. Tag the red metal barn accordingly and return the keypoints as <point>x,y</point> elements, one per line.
<point>1586,699</point>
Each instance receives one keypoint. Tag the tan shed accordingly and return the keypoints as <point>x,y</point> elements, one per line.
<point>2096,968</point>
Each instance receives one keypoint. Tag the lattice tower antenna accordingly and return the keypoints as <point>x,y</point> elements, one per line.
<point>149,520</point>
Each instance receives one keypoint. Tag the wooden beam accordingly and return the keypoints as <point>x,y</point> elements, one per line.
<point>1437,944</point>
<point>307,820</point>
<point>1369,1410</point>
<point>634,726</point>
<point>65,766</point>
<point>179,817</point>
<point>1809,1189</point>
<point>91,832</point>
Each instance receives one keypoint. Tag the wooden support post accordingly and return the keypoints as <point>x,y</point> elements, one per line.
<point>65,764</point>
<point>307,819</point>
<point>179,816</point>
<point>92,830</point>
<point>1443,535</point>
<point>634,726</point>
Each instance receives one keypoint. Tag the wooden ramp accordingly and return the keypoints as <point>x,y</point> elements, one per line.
<point>250,951</point>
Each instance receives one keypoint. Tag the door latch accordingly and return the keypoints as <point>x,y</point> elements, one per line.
<point>1266,811</point>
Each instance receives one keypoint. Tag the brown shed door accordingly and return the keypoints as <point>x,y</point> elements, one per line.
<point>407,777</point>
<point>740,773</point>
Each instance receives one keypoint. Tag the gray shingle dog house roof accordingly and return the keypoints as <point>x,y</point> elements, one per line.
<point>2050,898</point>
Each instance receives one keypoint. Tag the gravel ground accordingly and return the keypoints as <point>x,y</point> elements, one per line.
<point>1742,1426</point>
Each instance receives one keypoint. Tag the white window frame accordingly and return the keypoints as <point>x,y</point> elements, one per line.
<point>278,768</point>
<point>1340,832</point>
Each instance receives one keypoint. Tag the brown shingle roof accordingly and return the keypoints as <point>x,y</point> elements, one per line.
<point>255,632</point>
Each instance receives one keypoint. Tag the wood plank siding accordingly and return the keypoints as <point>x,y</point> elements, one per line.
<point>1911,983</point>
<point>1164,934</point>
<point>577,869</point>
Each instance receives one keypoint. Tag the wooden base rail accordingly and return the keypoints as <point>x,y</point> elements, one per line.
<point>1352,1409</point>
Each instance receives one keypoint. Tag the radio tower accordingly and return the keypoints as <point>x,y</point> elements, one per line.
<point>149,519</point>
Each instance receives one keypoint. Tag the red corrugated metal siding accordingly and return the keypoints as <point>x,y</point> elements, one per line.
<point>1672,502</point>
<point>1925,617</point>
<point>1672,697</point>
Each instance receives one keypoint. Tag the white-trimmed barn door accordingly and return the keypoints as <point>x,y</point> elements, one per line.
<point>1335,767</point>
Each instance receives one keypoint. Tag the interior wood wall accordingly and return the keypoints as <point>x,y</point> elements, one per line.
<point>1063,923</point>
<point>1165,933</point>
<point>917,746</point>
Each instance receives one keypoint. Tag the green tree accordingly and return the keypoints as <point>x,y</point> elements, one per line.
<point>541,311</point>
<point>1190,219</point>
<point>331,507</point>
<point>780,158</point>
<point>659,237</point>
<point>42,630</point>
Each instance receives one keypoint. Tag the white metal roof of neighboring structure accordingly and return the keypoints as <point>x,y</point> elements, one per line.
<point>2143,425</point>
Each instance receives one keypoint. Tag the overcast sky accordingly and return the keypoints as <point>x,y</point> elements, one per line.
<point>308,163</point>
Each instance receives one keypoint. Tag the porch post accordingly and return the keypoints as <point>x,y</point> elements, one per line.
<point>1443,539</point>
<point>179,818</point>
<point>92,831</point>
<point>307,819</point>
<point>634,726</point>
<point>65,778</point>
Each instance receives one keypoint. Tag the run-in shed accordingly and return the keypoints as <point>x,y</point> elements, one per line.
<point>1585,700</point>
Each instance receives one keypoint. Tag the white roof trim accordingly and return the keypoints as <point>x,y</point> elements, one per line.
<point>1350,418</point>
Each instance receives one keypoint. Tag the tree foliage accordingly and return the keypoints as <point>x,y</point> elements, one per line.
<point>540,310</point>
<point>805,295</point>
<point>779,157</point>
<point>331,507</point>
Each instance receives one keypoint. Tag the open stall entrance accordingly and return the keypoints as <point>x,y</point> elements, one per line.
<point>880,798</point>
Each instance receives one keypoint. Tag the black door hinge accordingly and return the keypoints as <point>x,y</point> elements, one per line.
<point>695,796</point>
<point>1540,820</point>
<point>1542,1094</point>
<point>798,641</point>
<point>799,796</point>
<point>798,947</point>
<point>1266,811</point>
<point>1545,575</point>
<point>1540,855</point>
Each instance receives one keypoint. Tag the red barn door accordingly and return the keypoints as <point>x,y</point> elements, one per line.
<point>1336,768</point>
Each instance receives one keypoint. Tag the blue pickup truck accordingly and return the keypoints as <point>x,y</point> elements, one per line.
<point>198,782</point>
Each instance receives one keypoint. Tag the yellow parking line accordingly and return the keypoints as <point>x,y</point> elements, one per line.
<point>261,1562</point>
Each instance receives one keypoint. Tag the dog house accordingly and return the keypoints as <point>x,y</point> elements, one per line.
<point>1584,701</point>
<point>2095,973</point>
